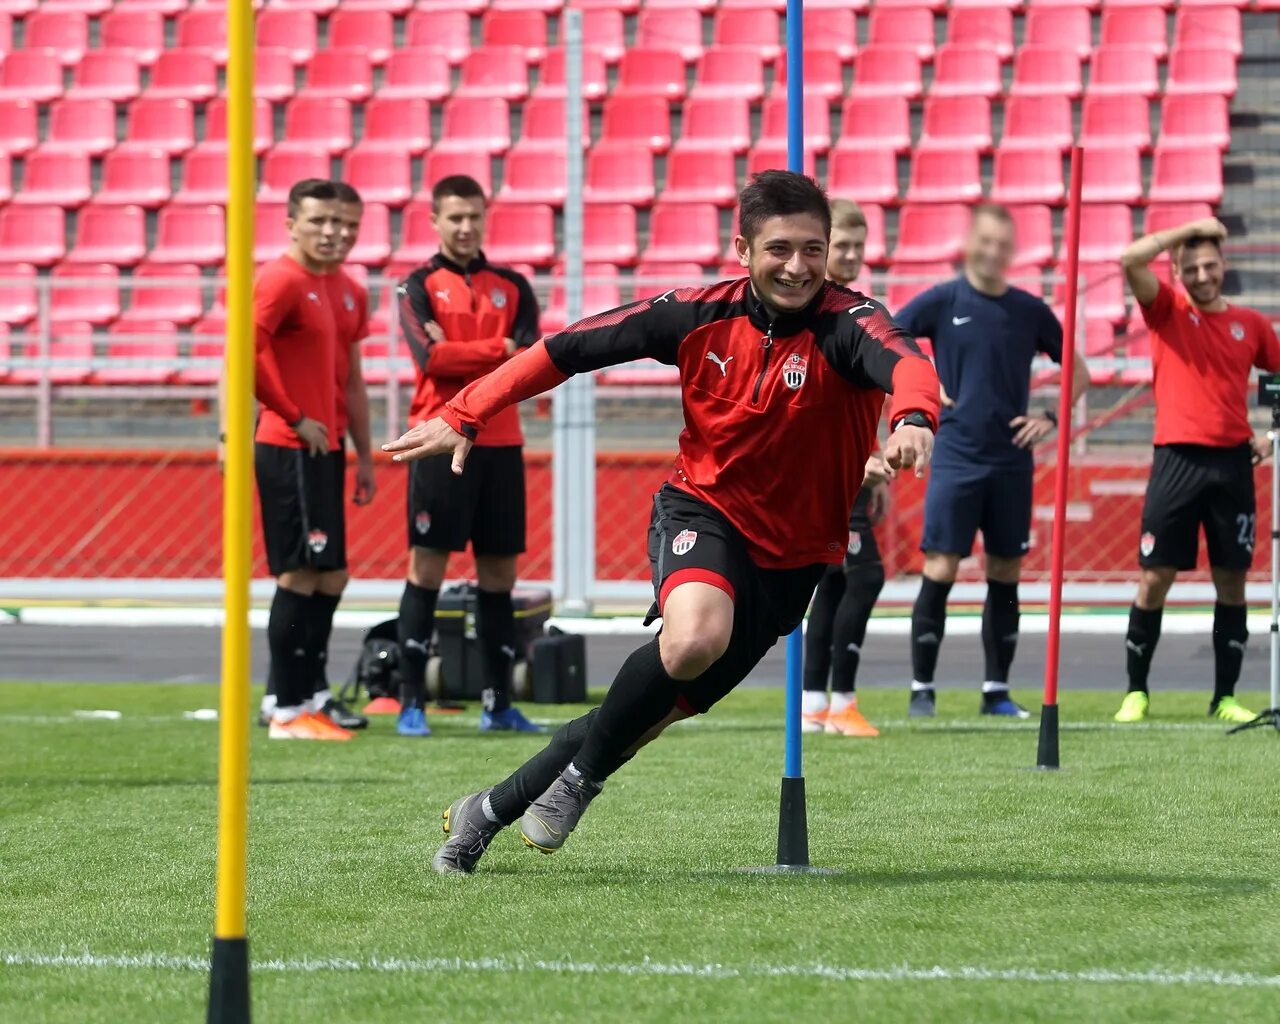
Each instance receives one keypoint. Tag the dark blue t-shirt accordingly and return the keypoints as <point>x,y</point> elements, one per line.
<point>983,347</point>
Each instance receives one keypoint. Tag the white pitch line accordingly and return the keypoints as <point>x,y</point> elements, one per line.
<point>654,968</point>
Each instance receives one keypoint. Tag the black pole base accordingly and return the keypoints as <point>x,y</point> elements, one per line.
<point>1270,717</point>
<point>1047,753</point>
<point>793,825</point>
<point>229,982</point>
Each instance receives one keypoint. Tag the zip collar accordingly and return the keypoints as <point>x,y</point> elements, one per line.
<point>782,325</point>
<point>440,261</point>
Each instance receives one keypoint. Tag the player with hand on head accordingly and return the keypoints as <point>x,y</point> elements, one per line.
<point>846,594</point>
<point>461,316</point>
<point>1203,349</point>
<point>985,334</point>
<point>754,510</point>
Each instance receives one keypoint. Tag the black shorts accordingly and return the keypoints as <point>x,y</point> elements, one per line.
<point>687,534</point>
<point>862,549</point>
<point>485,505</point>
<point>1193,485</point>
<point>304,520</point>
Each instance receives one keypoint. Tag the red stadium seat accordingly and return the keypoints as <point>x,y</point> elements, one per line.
<point>206,352</point>
<point>834,30</point>
<point>931,233</point>
<point>498,71</point>
<point>140,352</point>
<point>677,29</point>
<point>637,119</point>
<point>599,293</point>
<point>379,173</point>
<point>184,74</point>
<point>1186,174</point>
<point>6,178</point>
<point>1099,338</point>
<point>168,8</point>
<point>322,123</point>
<point>34,75</point>
<point>106,75</point>
<point>81,127</point>
<point>1102,293</point>
<point>55,178</point>
<point>19,126</point>
<point>944,176</point>
<point>684,233</point>
<point>189,234</point>
<point>1215,28</point>
<point>696,174</point>
<point>1106,229</point>
<point>1112,176</point>
<point>1115,121</point>
<point>891,116</point>
<point>619,172</point>
<point>368,30</point>
<point>90,8</point>
<point>140,34</point>
<point>521,233</point>
<point>595,76</point>
<point>1201,71</point>
<point>93,298</point>
<point>701,6</point>
<point>291,30</point>
<point>204,29</point>
<point>474,123</point>
<point>70,354</point>
<point>823,76</point>
<point>1028,176</point>
<point>165,124</point>
<point>951,121</point>
<point>534,174</point>
<point>1195,121</point>
<point>320,7</point>
<point>180,302</point>
<point>653,279</point>
<point>416,73</point>
<point>289,163</point>
<point>902,27</point>
<point>730,71</point>
<point>1061,28</point>
<point>19,302</point>
<point>817,122</point>
<point>526,30</point>
<point>1123,71</point>
<point>544,122</point>
<point>269,235</point>
<point>765,156</point>
<point>716,122</point>
<point>609,234</point>
<point>887,71</point>
<point>1033,225</point>
<point>1037,122</point>
<point>133,176</point>
<point>215,123</point>
<point>542,6</point>
<point>398,122</point>
<point>1045,71</point>
<point>441,163</point>
<point>604,33</point>
<point>345,74</point>
<point>652,73</point>
<point>907,280</point>
<point>447,30</point>
<point>861,174</point>
<point>1140,28</point>
<point>65,33</point>
<point>110,234</point>
<point>966,71</point>
<point>988,28</point>
<point>755,27</point>
<point>418,239</point>
<point>1163,216</point>
<point>373,248</point>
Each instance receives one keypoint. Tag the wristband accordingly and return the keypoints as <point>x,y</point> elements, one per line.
<point>912,419</point>
<point>297,423</point>
<point>1051,416</point>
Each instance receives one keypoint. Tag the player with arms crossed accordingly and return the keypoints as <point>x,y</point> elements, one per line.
<point>783,378</point>
<point>1203,349</point>
<point>461,317</point>
<point>985,334</point>
<point>847,593</point>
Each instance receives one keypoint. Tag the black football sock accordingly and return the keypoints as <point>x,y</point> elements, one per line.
<point>928,626</point>
<point>863,584</point>
<point>1000,616</point>
<point>287,641</point>
<point>416,624</point>
<point>319,630</point>
<point>511,797</point>
<point>1140,644</point>
<point>818,633</point>
<point>641,696</point>
<point>1230,636</point>
<point>496,636</point>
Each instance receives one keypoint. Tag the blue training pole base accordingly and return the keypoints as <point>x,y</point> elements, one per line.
<point>229,982</point>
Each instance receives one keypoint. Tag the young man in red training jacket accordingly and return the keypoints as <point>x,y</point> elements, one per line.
<point>783,378</point>
<point>461,316</point>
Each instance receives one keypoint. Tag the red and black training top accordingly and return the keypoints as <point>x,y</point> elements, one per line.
<point>478,307</point>
<point>780,412</point>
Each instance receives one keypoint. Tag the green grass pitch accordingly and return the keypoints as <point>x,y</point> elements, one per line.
<point>1135,885</point>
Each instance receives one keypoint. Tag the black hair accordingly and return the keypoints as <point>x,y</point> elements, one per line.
<point>347,193</point>
<point>310,188</point>
<point>780,194</point>
<point>461,185</point>
<point>1195,241</point>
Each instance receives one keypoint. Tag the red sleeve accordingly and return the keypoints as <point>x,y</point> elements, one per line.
<point>1268,357</point>
<point>915,389</point>
<point>362,305</point>
<point>1161,307</point>
<point>268,387</point>
<point>528,373</point>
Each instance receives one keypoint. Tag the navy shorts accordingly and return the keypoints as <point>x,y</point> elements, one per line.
<point>961,501</point>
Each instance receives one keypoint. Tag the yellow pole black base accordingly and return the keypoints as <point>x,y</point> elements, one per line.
<point>229,982</point>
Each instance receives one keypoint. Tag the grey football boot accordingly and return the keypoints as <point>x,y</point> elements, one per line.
<point>469,830</point>
<point>549,820</point>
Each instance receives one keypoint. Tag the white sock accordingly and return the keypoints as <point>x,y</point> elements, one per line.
<point>840,701</point>
<point>990,687</point>
<point>286,714</point>
<point>268,704</point>
<point>488,811</point>
<point>320,699</point>
<point>813,702</point>
<point>917,685</point>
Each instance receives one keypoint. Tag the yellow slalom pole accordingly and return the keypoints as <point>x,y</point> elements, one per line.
<point>229,971</point>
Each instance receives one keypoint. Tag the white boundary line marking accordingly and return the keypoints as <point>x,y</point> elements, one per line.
<point>653,968</point>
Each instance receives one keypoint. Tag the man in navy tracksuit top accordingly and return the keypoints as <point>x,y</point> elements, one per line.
<point>783,378</point>
<point>985,335</point>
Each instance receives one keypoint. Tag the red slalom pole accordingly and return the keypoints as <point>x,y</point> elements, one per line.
<point>1047,754</point>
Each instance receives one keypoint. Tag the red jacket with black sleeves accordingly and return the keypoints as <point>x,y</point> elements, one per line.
<point>478,307</point>
<point>780,411</point>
